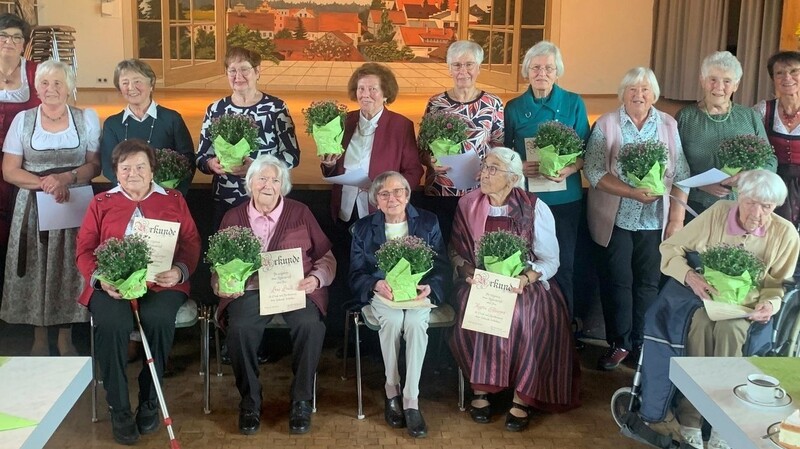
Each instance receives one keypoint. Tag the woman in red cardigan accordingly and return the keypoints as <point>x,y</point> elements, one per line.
<point>111,214</point>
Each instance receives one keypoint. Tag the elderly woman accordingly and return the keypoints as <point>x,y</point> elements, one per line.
<point>781,119</point>
<point>748,222</point>
<point>396,218</point>
<point>48,149</point>
<point>143,119</point>
<point>280,223</point>
<point>628,222</point>
<point>546,380</point>
<point>703,126</point>
<point>544,101</point>
<point>483,114</point>
<point>276,130</point>
<point>112,214</point>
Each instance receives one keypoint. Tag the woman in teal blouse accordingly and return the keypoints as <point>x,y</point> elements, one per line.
<point>544,101</point>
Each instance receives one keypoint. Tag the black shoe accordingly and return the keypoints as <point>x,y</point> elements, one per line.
<point>147,417</point>
<point>300,417</point>
<point>393,412</point>
<point>481,415</point>
<point>515,423</point>
<point>249,422</point>
<point>123,427</point>
<point>416,423</point>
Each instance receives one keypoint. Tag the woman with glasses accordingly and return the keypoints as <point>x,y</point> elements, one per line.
<point>544,101</point>
<point>538,359</point>
<point>483,114</point>
<point>396,218</point>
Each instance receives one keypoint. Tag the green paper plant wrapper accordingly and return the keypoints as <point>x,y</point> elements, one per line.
<point>135,286</point>
<point>444,147</point>
<point>403,282</point>
<point>731,171</point>
<point>328,137</point>
<point>653,180</point>
<point>233,275</point>
<point>511,266</point>
<point>732,289</point>
<point>170,183</point>
<point>551,162</point>
<point>230,155</point>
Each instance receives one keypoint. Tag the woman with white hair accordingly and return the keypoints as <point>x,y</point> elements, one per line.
<point>483,114</point>
<point>629,222</point>
<point>704,125</point>
<point>48,149</point>
<point>546,379</point>
<point>544,101</point>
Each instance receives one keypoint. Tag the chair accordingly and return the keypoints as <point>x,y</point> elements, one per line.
<point>441,317</point>
<point>56,42</point>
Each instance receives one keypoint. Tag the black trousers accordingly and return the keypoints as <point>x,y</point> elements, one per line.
<point>245,328</point>
<point>567,217</point>
<point>114,321</point>
<point>629,271</point>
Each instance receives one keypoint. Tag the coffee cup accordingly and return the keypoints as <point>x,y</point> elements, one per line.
<point>764,389</point>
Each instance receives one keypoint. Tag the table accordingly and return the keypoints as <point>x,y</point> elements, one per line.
<point>708,382</point>
<point>42,389</point>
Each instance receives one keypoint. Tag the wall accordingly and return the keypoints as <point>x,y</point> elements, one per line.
<point>600,40</point>
<point>789,25</point>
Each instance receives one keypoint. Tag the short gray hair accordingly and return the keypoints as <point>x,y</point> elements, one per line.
<point>512,161</point>
<point>723,60</point>
<point>381,179</point>
<point>136,66</point>
<point>267,160</point>
<point>543,48</point>
<point>459,48</point>
<point>638,75</point>
<point>762,186</point>
<point>49,67</point>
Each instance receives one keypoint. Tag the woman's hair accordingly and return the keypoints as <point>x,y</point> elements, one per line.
<point>9,20</point>
<point>722,60</point>
<point>762,186</point>
<point>384,74</point>
<point>49,67</point>
<point>784,57</point>
<point>380,180</point>
<point>543,48</point>
<point>235,54</point>
<point>136,66</point>
<point>128,148</point>
<point>262,162</point>
<point>638,75</point>
<point>513,164</point>
<point>459,48</point>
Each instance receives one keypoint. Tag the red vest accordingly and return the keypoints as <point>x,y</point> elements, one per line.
<point>786,147</point>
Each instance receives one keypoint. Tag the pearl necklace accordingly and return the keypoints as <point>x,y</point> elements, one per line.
<point>152,125</point>
<point>719,120</point>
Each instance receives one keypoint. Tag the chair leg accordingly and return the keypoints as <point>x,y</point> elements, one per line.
<point>217,344</point>
<point>94,369</point>
<point>346,335</point>
<point>314,397</point>
<point>360,414</point>
<point>203,332</point>
<point>206,368</point>
<point>461,401</point>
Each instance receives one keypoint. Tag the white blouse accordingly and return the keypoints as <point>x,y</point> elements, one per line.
<point>42,139</point>
<point>22,94</point>
<point>778,125</point>
<point>358,155</point>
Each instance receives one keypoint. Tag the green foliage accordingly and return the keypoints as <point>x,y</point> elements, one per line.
<point>387,52</point>
<point>418,254</point>
<point>559,135</point>
<point>235,242</point>
<point>171,165</point>
<point>733,260</point>
<point>501,244</point>
<point>235,127</point>
<point>748,152</point>
<point>300,30</point>
<point>119,258</point>
<point>441,125</point>
<point>322,112</point>
<point>385,31</point>
<point>638,158</point>
<point>284,34</point>
<point>205,45</point>
<point>241,36</point>
<point>327,48</point>
<point>377,4</point>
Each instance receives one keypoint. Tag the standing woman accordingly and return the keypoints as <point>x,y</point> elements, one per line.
<point>542,102</point>
<point>483,114</point>
<point>49,148</point>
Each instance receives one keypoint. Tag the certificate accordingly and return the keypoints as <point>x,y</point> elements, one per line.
<point>162,237</point>
<point>53,216</point>
<point>540,183</point>
<point>706,178</point>
<point>719,311</point>
<point>357,178</point>
<point>278,279</point>
<point>464,169</point>
<point>490,305</point>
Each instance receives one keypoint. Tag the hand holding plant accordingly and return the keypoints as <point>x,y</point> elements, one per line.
<point>325,123</point>
<point>122,263</point>
<point>234,254</point>
<point>405,260</point>
<point>644,164</point>
<point>732,270</point>
<point>442,133</point>
<point>743,152</point>
<point>559,146</point>
<point>502,252</point>
<point>171,168</point>
<point>234,136</point>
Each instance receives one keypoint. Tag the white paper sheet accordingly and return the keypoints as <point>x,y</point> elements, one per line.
<point>357,178</point>
<point>278,278</point>
<point>706,178</point>
<point>424,303</point>
<point>719,311</point>
<point>53,216</point>
<point>490,305</point>
<point>540,183</point>
<point>464,169</point>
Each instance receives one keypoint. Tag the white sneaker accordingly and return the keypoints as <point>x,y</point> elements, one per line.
<point>692,436</point>
<point>716,442</point>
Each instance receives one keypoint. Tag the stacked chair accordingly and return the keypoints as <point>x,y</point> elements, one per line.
<point>55,42</point>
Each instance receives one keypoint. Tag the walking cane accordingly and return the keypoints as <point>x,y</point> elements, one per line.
<point>173,442</point>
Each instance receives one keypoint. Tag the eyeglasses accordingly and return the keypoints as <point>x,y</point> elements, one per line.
<point>244,71</point>
<point>15,38</point>
<point>265,180</point>
<point>492,170</point>
<point>548,69</point>
<point>397,193</point>
<point>456,66</point>
<point>791,72</point>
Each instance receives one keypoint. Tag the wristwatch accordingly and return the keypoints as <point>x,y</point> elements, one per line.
<point>74,176</point>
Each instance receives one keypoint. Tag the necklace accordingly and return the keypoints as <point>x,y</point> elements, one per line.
<point>718,120</point>
<point>362,134</point>
<point>150,136</point>
<point>7,77</point>
<point>53,119</point>
<point>789,118</point>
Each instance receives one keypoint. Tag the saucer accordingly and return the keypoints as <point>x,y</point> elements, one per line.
<point>773,432</point>
<point>740,391</point>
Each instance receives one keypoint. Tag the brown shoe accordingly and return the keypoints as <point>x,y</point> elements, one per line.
<point>612,358</point>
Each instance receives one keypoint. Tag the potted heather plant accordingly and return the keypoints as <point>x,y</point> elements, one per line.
<point>325,123</point>
<point>405,261</point>
<point>442,133</point>
<point>732,270</point>
<point>234,136</point>
<point>743,152</point>
<point>171,168</point>
<point>502,252</point>
<point>123,264</point>
<point>559,146</point>
<point>234,254</point>
<point>644,164</point>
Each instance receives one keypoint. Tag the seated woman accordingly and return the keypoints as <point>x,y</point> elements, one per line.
<point>396,218</point>
<point>111,215</point>
<point>280,223</point>
<point>750,222</point>
<point>544,379</point>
